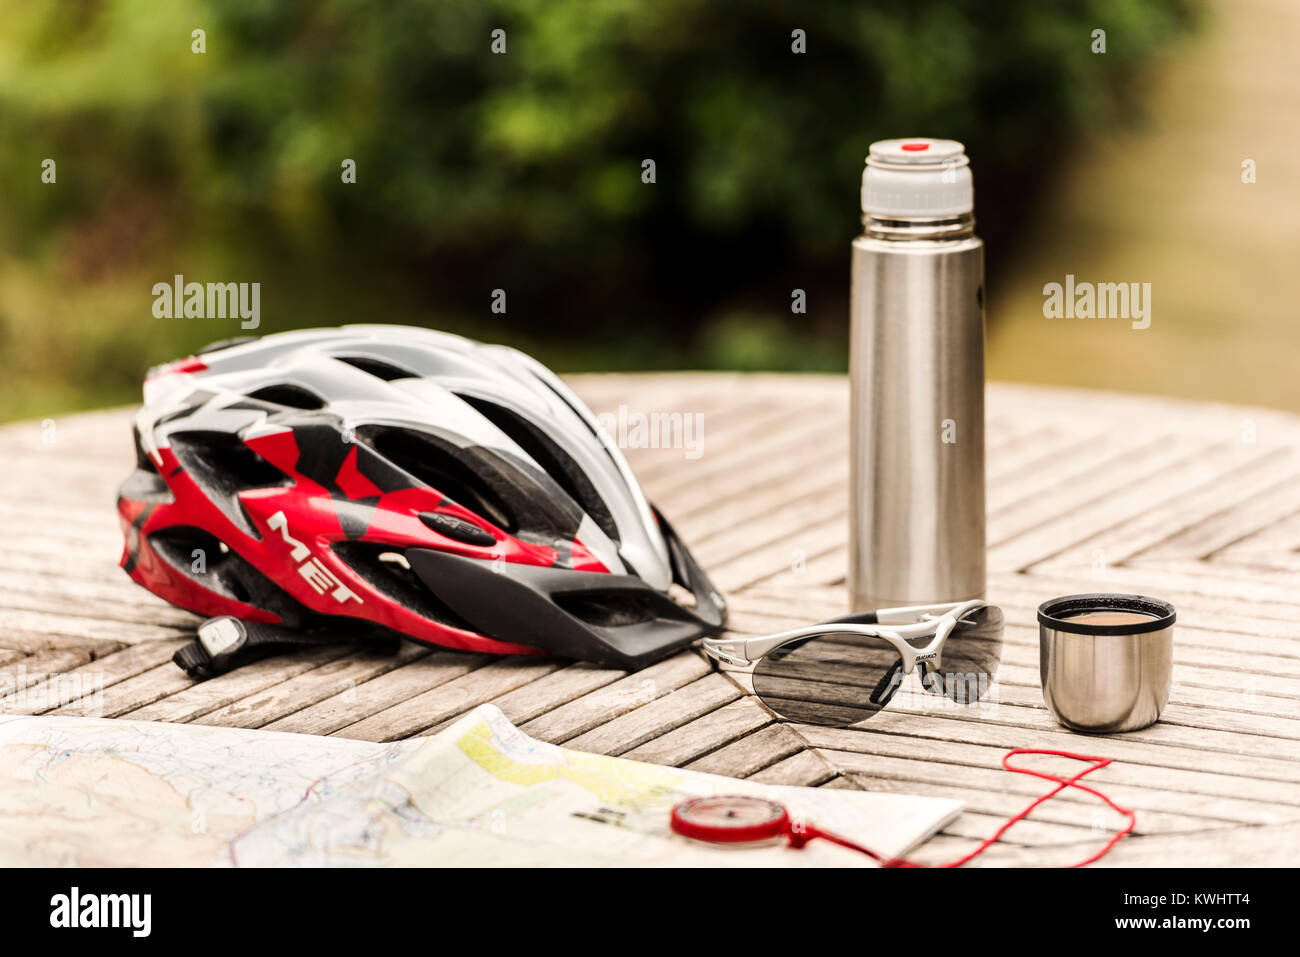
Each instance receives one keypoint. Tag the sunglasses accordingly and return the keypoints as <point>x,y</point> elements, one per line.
<point>844,671</point>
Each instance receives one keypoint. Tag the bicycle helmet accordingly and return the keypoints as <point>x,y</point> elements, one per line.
<point>421,483</point>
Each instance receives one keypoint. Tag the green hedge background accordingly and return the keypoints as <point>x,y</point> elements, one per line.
<point>519,171</point>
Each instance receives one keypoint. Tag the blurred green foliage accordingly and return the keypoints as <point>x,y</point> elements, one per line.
<point>520,171</point>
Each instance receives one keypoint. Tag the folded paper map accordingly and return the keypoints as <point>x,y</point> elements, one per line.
<point>81,791</point>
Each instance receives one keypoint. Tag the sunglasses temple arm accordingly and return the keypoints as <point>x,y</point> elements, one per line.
<point>858,618</point>
<point>908,614</point>
<point>755,648</point>
<point>903,615</point>
<point>742,651</point>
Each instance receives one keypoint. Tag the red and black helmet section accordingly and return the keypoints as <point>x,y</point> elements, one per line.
<point>611,619</point>
<point>447,545</point>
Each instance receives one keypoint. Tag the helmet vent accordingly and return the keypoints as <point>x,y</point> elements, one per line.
<point>203,558</point>
<point>286,394</point>
<point>377,367</point>
<point>222,461</point>
<point>388,571</point>
<point>557,463</point>
<point>585,420</point>
<point>142,460</point>
<point>223,466</point>
<point>582,418</point>
<point>427,460</point>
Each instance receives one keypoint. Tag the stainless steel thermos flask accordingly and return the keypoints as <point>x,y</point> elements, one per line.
<point>917,372</point>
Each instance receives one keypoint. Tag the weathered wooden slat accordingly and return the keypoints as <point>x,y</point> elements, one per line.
<point>1033,449</point>
<point>1257,614</point>
<point>750,754</point>
<point>713,527</point>
<point>9,656</point>
<point>650,720</point>
<point>1250,576</point>
<point>1013,726</point>
<point>350,705</point>
<point>1066,810</point>
<point>1254,564</point>
<point>449,700</point>
<point>718,467</point>
<point>828,568</point>
<point>1108,497</point>
<point>805,769</point>
<point>1263,511</point>
<point>132,694</point>
<point>974,826</point>
<point>65,686</point>
<point>1264,846</point>
<point>1209,421</point>
<point>614,700</point>
<point>1155,776</point>
<point>734,434</point>
<point>781,527</point>
<point>1249,692</point>
<point>709,732</point>
<point>782,557</point>
<point>1258,473</point>
<point>205,696</point>
<point>20,628</point>
<point>1275,544</point>
<point>19,595</point>
<point>1256,594</point>
<point>338,677</point>
<point>77,534</point>
<point>548,693</point>
<point>1024,499</point>
<point>1072,807</point>
<point>32,558</point>
<point>1277,733</point>
<point>28,669</point>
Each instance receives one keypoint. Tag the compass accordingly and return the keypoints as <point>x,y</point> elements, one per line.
<point>730,819</point>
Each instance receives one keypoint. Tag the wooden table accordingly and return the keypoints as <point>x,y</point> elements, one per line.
<point>1192,502</point>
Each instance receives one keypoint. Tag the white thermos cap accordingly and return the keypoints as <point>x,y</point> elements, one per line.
<point>917,177</point>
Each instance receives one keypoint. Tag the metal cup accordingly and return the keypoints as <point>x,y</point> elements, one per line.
<point>1104,678</point>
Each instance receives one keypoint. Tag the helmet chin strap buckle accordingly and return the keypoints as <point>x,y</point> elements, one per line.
<point>226,643</point>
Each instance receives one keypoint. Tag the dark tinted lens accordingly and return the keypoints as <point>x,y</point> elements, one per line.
<point>835,680</point>
<point>970,657</point>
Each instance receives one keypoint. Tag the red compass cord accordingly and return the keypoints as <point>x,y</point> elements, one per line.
<point>800,834</point>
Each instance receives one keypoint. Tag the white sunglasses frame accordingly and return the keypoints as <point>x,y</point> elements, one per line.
<point>893,625</point>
